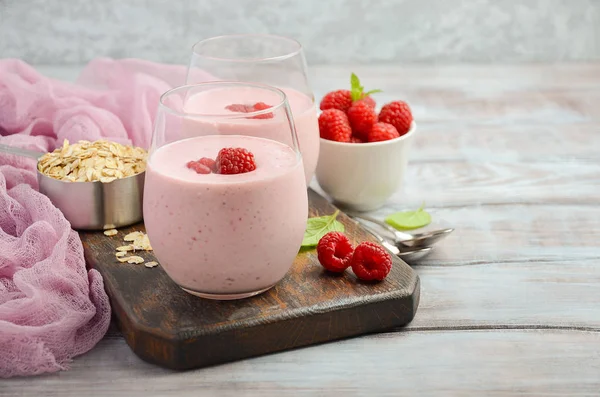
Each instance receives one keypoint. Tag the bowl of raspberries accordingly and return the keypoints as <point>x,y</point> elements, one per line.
<point>363,152</point>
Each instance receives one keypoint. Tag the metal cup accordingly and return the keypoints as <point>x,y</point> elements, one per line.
<point>96,205</point>
<point>92,205</point>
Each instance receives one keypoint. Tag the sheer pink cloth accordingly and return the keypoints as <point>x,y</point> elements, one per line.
<point>51,307</point>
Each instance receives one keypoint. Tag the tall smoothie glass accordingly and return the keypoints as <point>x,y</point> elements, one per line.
<point>225,231</point>
<point>268,59</point>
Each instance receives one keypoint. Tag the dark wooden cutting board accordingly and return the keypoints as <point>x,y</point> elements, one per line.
<point>169,327</point>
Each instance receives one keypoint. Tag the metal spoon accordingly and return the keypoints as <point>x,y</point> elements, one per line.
<point>407,256</point>
<point>417,240</point>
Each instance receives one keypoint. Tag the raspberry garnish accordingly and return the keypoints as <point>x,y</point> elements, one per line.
<point>262,106</point>
<point>382,132</point>
<point>356,139</point>
<point>340,100</point>
<point>371,261</point>
<point>198,167</point>
<point>334,125</point>
<point>234,161</point>
<point>398,114</point>
<point>238,107</point>
<point>241,108</point>
<point>210,163</point>
<point>334,251</point>
<point>362,117</point>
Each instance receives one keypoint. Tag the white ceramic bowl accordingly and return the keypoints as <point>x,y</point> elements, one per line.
<point>362,176</point>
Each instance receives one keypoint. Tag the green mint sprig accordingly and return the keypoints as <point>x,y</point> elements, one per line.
<point>317,227</point>
<point>408,220</point>
<point>357,91</point>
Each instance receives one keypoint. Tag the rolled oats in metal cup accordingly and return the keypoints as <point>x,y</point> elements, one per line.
<point>85,161</point>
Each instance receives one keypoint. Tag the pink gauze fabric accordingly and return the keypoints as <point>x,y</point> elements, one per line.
<point>51,307</point>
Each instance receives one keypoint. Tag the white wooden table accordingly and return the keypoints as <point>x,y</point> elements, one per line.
<point>510,303</point>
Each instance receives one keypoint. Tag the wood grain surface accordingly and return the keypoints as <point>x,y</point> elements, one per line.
<point>510,302</point>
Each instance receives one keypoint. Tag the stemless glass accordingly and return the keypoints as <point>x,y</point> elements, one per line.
<point>217,235</point>
<point>268,59</point>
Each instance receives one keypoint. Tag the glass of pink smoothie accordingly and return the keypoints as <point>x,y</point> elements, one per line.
<point>268,59</point>
<point>219,235</point>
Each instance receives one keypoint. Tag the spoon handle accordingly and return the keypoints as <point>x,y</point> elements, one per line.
<point>399,236</point>
<point>20,152</point>
<point>387,244</point>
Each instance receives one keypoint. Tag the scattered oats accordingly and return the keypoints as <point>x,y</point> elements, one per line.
<point>85,161</point>
<point>125,248</point>
<point>132,236</point>
<point>139,242</point>
<point>109,226</point>
<point>135,259</point>
<point>110,232</point>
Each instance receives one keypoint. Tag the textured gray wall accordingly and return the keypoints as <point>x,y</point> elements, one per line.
<point>333,31</point>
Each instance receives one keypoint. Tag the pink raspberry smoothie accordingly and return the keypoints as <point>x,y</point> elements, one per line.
<point>225,236</point>
<point>303,109</point>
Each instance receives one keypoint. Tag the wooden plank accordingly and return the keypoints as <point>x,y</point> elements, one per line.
<point>462,183</point>
<point>487,234</point>
<point>167,326</point>
<point>466,363</point>
<point>534,143</point>
<point>560,294</point>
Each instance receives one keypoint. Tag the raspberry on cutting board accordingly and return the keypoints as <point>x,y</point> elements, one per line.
<point>398,114</point>
<point>371,262</point>
<point>334,125</point>
<point>234,161</point>
<point>334,251</point>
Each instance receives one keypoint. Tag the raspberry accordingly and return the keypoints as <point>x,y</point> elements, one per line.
<point>262,106</point>
<point>371,262</point>
<point>334,125</point>
<point>356,139</point>
<point>369,101</point>
<point>362,117</point>
<point>198,167</point>
<point>340,100</point>
<point>241,108</point>
<point>234,161</point>
<point>238,107</point>
<point>397,114</point>
<point>382,132</point>
<point>210,163</point>
<point>334,251</point>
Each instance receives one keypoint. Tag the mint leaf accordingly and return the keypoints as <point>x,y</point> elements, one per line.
<point>372,92</point>
<point>317,227</point>
<point>357,90</point>
<point>408,220</point>
<point>354,82</point>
